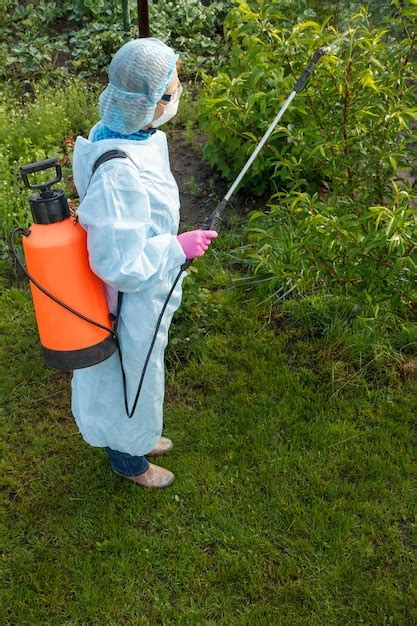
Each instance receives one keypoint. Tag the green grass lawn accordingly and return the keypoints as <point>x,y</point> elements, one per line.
<point>292,504</point>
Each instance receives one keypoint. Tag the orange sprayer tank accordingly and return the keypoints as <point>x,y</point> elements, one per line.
<point>55,249</point>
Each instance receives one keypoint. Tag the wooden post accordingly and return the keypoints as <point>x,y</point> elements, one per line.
<point>143,18</point>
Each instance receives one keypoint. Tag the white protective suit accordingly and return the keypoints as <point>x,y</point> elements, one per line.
<point>131,215</point>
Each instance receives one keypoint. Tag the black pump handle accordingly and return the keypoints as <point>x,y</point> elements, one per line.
<point>31,168</point>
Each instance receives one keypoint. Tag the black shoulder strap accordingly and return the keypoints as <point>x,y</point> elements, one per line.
<point>115,317</point>
<point>107,156</point>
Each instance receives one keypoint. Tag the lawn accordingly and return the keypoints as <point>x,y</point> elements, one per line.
<point>293,501</point>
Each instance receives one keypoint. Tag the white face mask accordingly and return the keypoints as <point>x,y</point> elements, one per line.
<point>170,109</point>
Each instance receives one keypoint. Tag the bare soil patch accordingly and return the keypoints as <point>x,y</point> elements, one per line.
<point>201,187</point>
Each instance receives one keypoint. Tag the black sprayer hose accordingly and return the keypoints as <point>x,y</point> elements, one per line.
<point>158,324</point>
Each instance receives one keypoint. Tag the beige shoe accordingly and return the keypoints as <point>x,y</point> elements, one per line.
<point>155,477</point>
<point>163,446</point>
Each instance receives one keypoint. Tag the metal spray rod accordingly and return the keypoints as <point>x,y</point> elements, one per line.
<point>214,220</point>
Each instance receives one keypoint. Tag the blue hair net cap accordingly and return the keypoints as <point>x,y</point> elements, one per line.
<point>139,74</point>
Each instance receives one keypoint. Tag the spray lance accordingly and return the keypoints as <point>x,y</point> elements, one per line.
<point>72,339</point>
<point>212,222</point>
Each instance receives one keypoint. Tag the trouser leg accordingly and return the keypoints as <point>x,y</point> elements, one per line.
<point>127,464</point>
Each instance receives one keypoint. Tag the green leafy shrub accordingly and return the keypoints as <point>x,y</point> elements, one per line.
<point>304,244</point>
<point>342,218</point>
<point>349,129</point>
<point>44,38</point>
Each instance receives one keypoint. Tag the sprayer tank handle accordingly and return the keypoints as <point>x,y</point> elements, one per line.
<point>39,166</point>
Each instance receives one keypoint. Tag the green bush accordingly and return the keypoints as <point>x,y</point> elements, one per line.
<point>348,130</point>
<point>304,245</point>
<point>44,38</point>
<point>342,218</point>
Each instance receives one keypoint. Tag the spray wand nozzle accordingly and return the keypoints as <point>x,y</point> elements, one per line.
<point>310,67</point>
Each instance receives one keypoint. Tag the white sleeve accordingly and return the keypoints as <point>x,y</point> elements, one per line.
<point>123,249</point>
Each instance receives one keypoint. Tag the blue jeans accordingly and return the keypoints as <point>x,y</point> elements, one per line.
<point>127,464</point>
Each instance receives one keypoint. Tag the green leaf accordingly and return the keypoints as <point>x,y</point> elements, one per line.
<point>367,79</point>
<point>309,24</point>
<point>393,163</point>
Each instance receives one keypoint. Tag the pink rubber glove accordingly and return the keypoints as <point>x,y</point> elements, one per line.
<point>196,242</point>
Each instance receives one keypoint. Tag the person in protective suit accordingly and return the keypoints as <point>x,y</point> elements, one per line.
<point>130,211</point>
